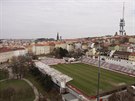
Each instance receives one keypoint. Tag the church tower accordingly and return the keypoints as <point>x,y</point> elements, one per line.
<point>57,36</point>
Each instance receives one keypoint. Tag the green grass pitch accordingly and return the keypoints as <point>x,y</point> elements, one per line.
<point>85,77</point>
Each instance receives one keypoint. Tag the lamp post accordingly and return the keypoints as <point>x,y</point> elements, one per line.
<point>98,86</point>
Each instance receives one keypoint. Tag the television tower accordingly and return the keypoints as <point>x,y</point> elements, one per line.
<point>122,22</point>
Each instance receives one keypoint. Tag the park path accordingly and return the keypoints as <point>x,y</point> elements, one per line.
<point>11,76</point>
<point>3,80</point>
<point>34,89</point>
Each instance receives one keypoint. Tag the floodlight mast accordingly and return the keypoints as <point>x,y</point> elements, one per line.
<point>98,86</point>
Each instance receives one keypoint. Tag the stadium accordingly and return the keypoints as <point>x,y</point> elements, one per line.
<point>85,77</point>
<point>80,79</point>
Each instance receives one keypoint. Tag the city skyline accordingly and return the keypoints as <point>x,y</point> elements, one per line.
<point>72,19</point>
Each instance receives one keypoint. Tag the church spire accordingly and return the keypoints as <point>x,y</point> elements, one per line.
<point>57,36</point>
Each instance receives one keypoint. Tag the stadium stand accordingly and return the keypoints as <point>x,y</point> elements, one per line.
<point>58,77</point>
<point>110,66</point>
<point>53,61</point>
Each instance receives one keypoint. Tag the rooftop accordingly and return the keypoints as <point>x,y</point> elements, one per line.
<point>5,49</point>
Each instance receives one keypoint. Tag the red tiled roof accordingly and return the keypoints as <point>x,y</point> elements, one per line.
<point>42,44</point>
<point>131,47</point>
<point>5,49</point>
<point>124,45</point>
<point>58,42</point>
<point>122,53</point>
<point>72,39</point>
<point>19,49</point>
<point>132,54</point>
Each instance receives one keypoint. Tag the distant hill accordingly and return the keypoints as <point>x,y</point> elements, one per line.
<point>44,39</point>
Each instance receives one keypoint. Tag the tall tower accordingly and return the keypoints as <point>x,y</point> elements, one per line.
<point>122,23</point>
<point>57,36</point>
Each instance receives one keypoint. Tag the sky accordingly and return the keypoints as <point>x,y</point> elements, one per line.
<point>71,18</point>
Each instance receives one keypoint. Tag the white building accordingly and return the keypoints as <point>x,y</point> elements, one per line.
<point>84,46</point>
<point>60,45</point>
<point>78,45</point>
<point>91,52</point>
<point>131,49</point>
<point>132,39</point>
<point>40,49</point>
<point>7,54</point>
<point>70,47</point>
<point>20,51</point>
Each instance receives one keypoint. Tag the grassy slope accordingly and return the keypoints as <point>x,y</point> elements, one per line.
<point>36,83</point>
<point>41,89</point>
<point>27,93</point>
<point>85,77</point>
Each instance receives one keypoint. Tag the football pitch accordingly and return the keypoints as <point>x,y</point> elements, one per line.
<point>85,78</point>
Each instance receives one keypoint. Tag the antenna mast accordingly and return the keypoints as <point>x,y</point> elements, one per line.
<point>123,9</point>
<point>122,22</point>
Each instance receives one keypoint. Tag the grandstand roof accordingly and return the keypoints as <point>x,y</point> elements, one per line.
<point>52,72</point>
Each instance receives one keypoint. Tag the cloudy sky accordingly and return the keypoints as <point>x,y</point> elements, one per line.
<point>71,18</point>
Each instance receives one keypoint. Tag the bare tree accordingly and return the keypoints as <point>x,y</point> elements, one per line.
<point>20,65</point>
<point>123,96</point>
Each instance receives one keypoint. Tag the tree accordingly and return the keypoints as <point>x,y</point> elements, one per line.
<point>60,52</point>
<point>20,65</point>
<point>34,71</point>
<point>77,53</point>
<point>47,82</point>
<point>124,40</point>
<point>121,96</point>
<point>33,56</point>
